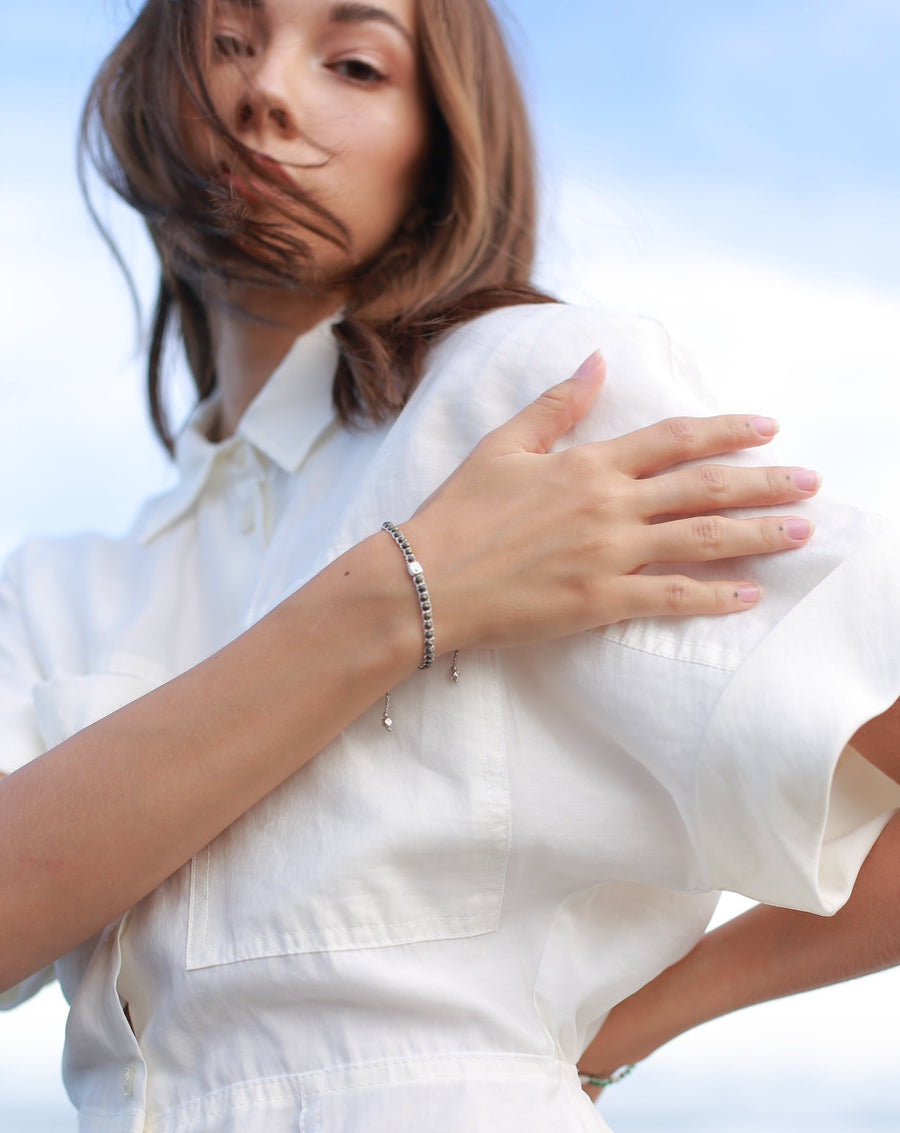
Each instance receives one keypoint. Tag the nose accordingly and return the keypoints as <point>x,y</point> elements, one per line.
<point>267,98</point>
<point>275,110</point>
<point>259,110</point>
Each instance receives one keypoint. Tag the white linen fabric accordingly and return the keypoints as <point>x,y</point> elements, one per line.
<point>424,929</point>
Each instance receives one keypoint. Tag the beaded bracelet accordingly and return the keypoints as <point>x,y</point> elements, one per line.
<point>418,577</point>
<point>416,574</point>
<point>602,1083</point>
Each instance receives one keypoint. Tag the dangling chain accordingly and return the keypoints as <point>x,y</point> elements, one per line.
<point>387,722</point>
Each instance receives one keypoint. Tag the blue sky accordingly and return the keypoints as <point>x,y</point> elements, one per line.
<point>733,166</point>
<point>809,85</point>
<point>789,110</point>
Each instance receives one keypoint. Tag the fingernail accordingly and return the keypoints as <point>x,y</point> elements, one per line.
<point>586,372</point>
<point>748,593</point>
<point>765,426</point>
<point>797,529</point>
<point>806,480</point>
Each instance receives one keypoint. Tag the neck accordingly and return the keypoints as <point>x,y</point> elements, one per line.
<point>252,333</point>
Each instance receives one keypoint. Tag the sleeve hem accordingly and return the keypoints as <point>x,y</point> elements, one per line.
<point>782,817</point>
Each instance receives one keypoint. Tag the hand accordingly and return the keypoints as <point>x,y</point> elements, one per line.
<point>523,544</point>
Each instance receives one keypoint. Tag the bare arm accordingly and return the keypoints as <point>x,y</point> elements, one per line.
<point>878,741</point>
<point>103,818</point>
<point>768,953</point>
<point>96,823</point>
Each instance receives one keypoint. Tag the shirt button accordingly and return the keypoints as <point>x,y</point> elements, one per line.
<point>128,1081</point>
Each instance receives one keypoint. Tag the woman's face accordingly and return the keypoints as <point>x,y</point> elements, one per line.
<point>331,94</point>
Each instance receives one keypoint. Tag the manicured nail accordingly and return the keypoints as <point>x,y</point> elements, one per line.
<point>805,480</point>
<point>748,593</point>
<point>765,426</point>
<point>586,372</point>
<point>797,529</point>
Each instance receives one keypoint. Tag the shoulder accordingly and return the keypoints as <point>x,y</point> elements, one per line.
<point>500,361</point>
<point>554,337</point>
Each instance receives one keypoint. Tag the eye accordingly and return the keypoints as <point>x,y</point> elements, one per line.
<point>358,71</point>
<point>229,46</point>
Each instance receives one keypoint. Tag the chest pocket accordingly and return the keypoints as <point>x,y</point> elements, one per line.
<point>382,839</point>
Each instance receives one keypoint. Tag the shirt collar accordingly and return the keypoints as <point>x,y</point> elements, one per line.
<point>282,422</point>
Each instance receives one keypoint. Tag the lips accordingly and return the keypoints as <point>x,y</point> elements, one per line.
<point>237,185</point>
<point>251,187</point>
<point>274,169</point>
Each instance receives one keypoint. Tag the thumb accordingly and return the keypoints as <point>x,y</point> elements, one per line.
<point>540,425</point>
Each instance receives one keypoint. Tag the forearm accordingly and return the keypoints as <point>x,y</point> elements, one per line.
<point>98,822</point>
<point>764,954</point>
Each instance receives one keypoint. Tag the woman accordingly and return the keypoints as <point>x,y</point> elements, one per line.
<point>426,924</point>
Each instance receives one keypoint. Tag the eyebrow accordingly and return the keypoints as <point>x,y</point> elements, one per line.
<point>353,13</point>
<point>347,12</point>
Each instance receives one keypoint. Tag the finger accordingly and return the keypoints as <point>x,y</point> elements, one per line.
<point>714,537</point>
<point>679,439</point>
<point>710,487</point>
<point>654,596</point>
<point>540,425</point>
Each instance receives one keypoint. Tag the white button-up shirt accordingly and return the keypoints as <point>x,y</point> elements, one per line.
<point>422,930</point>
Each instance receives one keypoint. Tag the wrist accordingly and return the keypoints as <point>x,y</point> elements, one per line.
<point>452,607</point>
<point>417,577</point>
<point>365,600</point>
<point>601,1081</point>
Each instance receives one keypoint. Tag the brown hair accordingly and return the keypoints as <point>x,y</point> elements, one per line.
<point>466,248</point>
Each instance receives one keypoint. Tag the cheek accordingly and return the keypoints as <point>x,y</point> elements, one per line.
<point>405,169</point>
<point>386,180</point>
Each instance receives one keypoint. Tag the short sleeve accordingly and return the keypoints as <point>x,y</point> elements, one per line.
<point>786,813</point>
<point>776,806</point>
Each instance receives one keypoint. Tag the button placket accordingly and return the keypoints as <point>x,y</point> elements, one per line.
<point>247,518</point>
<point>99,1034</point>
<point>247,478</point>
